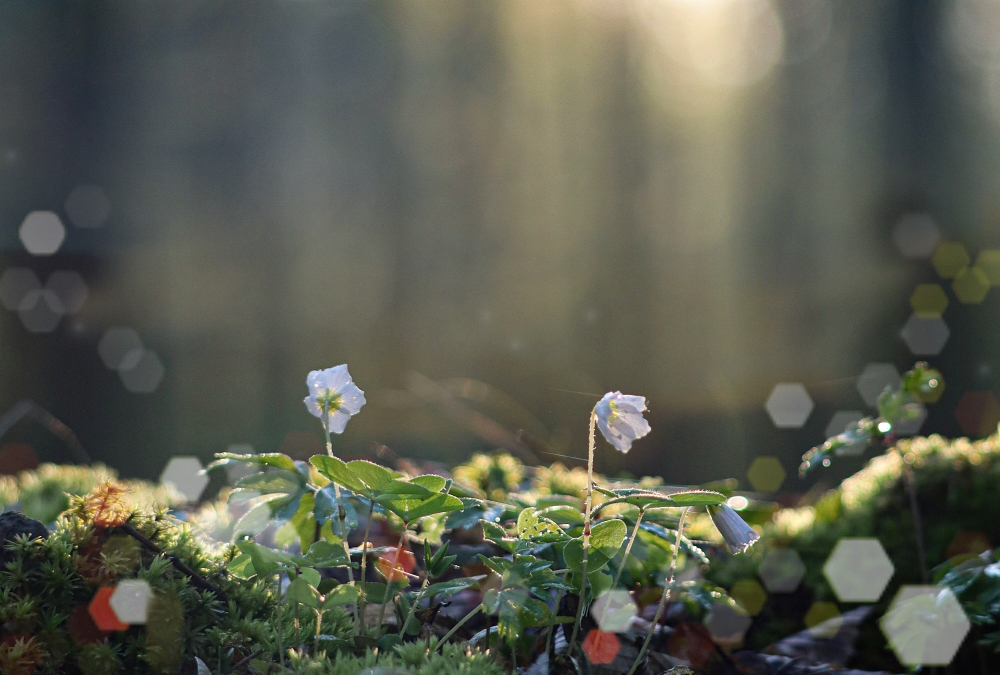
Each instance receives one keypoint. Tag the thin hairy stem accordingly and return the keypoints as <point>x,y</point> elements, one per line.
<point>667,585</point>
<point>459,625</point>
<point>628,548</point>
<point>586,532</point>
<point>341,514</point>
<point>552,626</point>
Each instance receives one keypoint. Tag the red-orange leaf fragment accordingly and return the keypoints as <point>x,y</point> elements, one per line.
<point>601,647</point>
<point>101,611</point>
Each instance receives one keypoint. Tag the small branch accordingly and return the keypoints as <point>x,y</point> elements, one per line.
<point>196,578</point>
<point>248,658</point>
<point>459,625</point>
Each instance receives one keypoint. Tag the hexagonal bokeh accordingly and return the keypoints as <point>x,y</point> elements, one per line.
<point>726,623</point>
<point>838,424</point>
<point>925,336</point>
<point>912,427</point>
<point>238,470</point>
<point>130,601</point>
<point>749,595</point>
<point>782,570</point>
<point>874,379</point>
<point>968,544</point>
<point>101,612</point>
<point>614,610</point>
<point>929,300</point>
<point>978,413</point>
<point>70,288</point>
<point>185,473</point>
<point>916,235</point>
<point>42,233</point>
<point>87,206</point>
<point>989,262</point>
<point>824,620</point>
<point>15,283</point>
<point>115,345</point>
<point>789,405</point>
<point>141,371</point>
<point>40,311</point>
<point>858,569</point>
<point>950,258</point>
<point>766,474</point>
<point>925,625</point>
<point>970,286</point>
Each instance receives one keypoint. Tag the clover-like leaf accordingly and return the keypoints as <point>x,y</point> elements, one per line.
<point>276,460</point>
<point>446,589</point>
<point>302,592</point>
<point>698,498</point>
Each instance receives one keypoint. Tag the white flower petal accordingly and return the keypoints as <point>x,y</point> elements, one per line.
<point>338,421</point>
<point>351,399</point>
<point>619,417</point>
<point>313,406</point>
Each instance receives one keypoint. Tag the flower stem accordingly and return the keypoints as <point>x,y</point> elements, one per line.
<point>390,577</point>
<point>628,548</point>
<point>459,625</point>
<point>552,626</point>
<point>341,513</point>
<point>667,584</point>
<point>586,532</point>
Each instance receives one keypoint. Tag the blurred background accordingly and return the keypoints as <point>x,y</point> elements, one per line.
<point>495,213</point>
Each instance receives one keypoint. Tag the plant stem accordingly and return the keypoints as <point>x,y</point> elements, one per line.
<point>413,607</point>
<point>918,526</point>
<point>341,512</point>
<point>390,577</point>
<point>459,625</point>
<point>298,628</point>
<point>628,547</point>
<point>281,632</point>
<point>552,626</point>
<point>196,578</point>
<point>360,605</point>
<point>319,623</point>
<point>586,532</point>
<point>667,584</point>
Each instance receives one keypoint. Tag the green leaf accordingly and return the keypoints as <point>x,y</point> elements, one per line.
<point>530,525</point>
<point>474,511</point>
<point>266,561</point>
<point>310,575</point>
<point>562,515</point>
<point>411,510</point>
<point>300,591</point>
<point>256,519</point>
<point>406,489</point>
<point>303,521</point>
<point>241,567</point>
<point>607,536</point>
<point>337,471</point>
<point>265,459</point>
<point>327,554</point>
<point>446,589</point>
<point>326,509</point>
<point>341,595</point>
<point>430,481</point>
<point>277,480</point>
<point>698,498</point>
<point>375,477</point>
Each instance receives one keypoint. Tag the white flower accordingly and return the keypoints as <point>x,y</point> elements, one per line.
<point>334,390</point>
<point>619,417</point>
